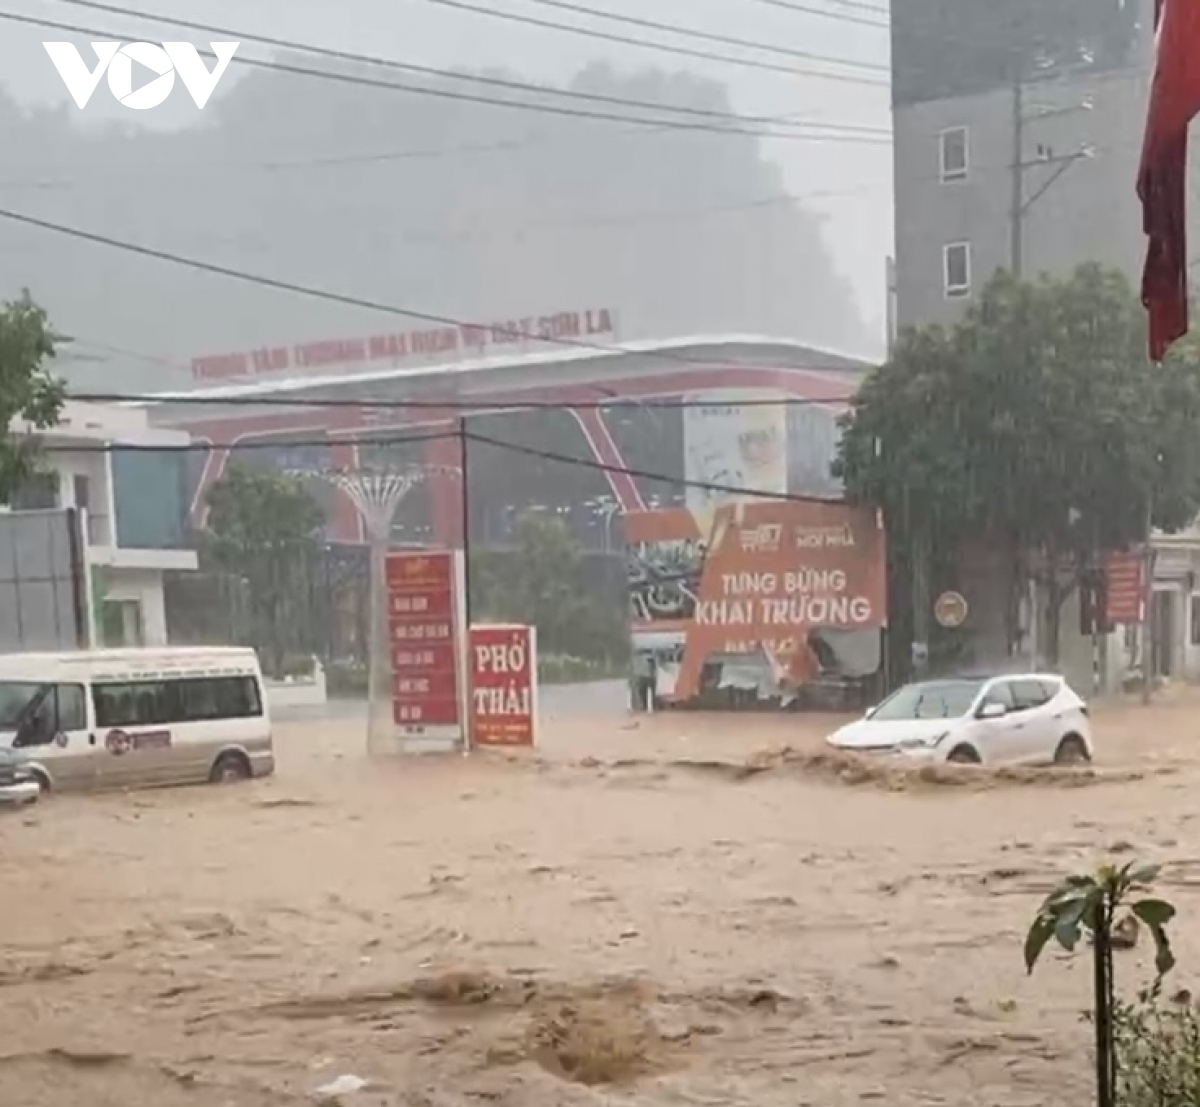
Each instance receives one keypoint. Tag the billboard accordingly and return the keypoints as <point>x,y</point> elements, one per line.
<point>424,643</point>
<point>736,438</point>
<point>503,684</point>
<point>766,597</point>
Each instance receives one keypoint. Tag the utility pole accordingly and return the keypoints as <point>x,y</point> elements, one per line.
<point>1016,249</point>
<point>1019,205</point>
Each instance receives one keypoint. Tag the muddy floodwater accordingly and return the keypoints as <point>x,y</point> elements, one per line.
<point>689,910</point>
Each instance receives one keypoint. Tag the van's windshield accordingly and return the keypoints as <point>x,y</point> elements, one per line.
<point>15,699</point>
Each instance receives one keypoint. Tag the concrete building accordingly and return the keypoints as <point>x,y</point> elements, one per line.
<point>133,507</point>
<point>570,460</point>
<point>1018,130</point>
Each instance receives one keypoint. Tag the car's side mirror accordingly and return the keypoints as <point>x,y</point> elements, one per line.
<point>869,712</point>
<point>993,711</point>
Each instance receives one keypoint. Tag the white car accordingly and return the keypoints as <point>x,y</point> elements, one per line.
<point>1025,718</point>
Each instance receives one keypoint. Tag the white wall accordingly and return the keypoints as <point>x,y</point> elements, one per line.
<point>145,586</point>
<point>97,467</point>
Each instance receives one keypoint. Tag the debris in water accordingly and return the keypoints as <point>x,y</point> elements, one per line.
<point>346,1084</point>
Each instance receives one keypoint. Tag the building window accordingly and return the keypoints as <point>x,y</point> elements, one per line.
<point>83,492</point>
<point>954,154</point>
<point>1195,635</point>
<point>956,269</point>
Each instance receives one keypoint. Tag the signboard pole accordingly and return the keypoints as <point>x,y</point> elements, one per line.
<point>376,494</point>
<point>462,633</point>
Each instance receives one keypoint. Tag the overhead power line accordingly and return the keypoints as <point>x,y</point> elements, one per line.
<point>198,446</point>
<point>500,407</point>
<point>47,183</point>
<point>449,94</point>
<point>828,13</point>
<point>642,474</point>
<point>281,285</point>
<point>470,436</point>
<point>706,36</point>
<point>508,84</point>
<point>522,228</point>
<point>625,40</point>
<point>865,6</point>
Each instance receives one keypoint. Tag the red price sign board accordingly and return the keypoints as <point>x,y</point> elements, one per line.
<point>1123,588</point>
<point>421,614</point>
<point>503,685</point>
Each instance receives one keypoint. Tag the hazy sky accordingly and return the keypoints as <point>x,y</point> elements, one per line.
<point>847,182</point>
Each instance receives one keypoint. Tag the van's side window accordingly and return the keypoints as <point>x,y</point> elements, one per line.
<point>220,698</point>
<point>155,703</point>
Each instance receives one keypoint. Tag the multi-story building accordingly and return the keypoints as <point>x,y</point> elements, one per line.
<point>131,505</point>
<point>1018,128</point>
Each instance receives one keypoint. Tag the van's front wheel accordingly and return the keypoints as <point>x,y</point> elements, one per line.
<point>230,768</point>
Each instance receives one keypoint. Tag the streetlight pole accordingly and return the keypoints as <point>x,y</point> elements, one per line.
<point>376,492</point>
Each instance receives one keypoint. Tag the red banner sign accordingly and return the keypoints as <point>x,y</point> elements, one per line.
<point>420,597</point>
<point>779,580</point>
<point>503,685</point>
<point>1123,588</point>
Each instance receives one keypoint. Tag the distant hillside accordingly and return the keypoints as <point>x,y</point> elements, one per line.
<point>472,211</point>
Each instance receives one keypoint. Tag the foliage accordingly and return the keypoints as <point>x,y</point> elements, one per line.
<point>558,668</point>
<point>546,581</point>
<point>1158,1050</point>
<point>998,43</point>
<point>263,528</point>
<point>28,393</point>
<point>1036,423</point>
<point>1088,905</point>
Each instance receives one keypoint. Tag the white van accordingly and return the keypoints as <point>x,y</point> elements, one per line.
<point>136,718</point>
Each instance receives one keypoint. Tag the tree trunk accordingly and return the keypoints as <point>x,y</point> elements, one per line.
<point>1055,598</point>
<point>922,600</point>
<point>1016,578</point>
<point>1102,982</point>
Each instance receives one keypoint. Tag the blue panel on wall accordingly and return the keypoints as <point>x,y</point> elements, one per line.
<point>148,487</point>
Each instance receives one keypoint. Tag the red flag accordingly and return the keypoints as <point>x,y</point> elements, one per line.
<point>1174,100</point>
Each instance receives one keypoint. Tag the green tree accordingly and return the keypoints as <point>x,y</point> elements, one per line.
<point>28,393</point>
<point>1037,424</point>
<point>547,582</point>
<point>1090,905</point>
<point>263,528</point>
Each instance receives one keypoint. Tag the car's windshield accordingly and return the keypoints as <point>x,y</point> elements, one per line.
<point>15,697</point>
<point>935,699</point>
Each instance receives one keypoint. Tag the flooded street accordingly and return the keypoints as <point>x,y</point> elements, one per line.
<point>679,911</point>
